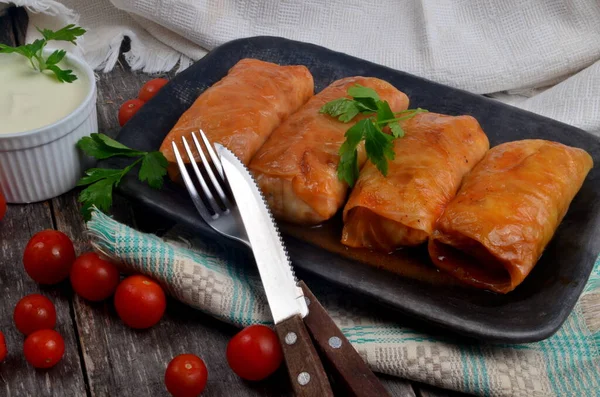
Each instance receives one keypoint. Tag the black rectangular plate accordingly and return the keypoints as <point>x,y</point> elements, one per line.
<point>534,311</point>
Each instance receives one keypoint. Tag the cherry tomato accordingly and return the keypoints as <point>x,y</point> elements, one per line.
<point>140,302</point>
<point>3,350</point>
<point>2,206</point>
<point>49,256</point>
<point>93,278</point>
<point>186,376</point>
<point>34,312</point>
<point>254,353</point>
<point>151,88</point>
<point>128,109</point>
<point>44,348</point>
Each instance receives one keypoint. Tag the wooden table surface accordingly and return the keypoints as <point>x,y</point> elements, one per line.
<point>103,357</point>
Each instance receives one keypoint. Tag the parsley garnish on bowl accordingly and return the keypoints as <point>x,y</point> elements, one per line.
<point>35,51</point>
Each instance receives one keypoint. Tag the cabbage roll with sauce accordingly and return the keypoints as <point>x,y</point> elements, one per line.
<point>493,233</point>
<point>400,209</point>
<point>242,110</point>
<point>297,167</point>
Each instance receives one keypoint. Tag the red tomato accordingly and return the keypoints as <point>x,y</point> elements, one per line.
<point>34,312</point>
<point>93,278</point>
<point>44,348</point>
<point>49,256</point>
<point>3,351</point>
<point>2,206</point>
<point>128,109</point>
<point>140,302</point>
<point>151,88</point>
<point>186,376</point>
<point>254,353</point>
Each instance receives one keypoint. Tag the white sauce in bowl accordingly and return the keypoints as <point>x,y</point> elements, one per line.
<point>30,99</point>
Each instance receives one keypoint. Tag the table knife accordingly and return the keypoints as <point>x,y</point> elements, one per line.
<point>292,305</point>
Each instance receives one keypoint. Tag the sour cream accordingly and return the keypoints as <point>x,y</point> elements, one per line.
<point>30,99</point>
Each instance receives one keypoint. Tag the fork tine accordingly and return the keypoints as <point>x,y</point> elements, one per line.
<point>187,180</point>
<point>207,193</point>
<point>213,155</point>
<point>209,171</point>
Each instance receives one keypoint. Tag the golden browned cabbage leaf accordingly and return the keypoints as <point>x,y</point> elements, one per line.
<point>297,167</point>
<point>384,213</point>
<point>505,213</point>
<point>242,109</point>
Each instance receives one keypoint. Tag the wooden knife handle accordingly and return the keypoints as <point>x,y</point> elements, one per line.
<point>351,369</point>
<point>304,366</point>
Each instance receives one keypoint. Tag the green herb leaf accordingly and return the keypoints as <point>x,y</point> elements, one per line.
<point>359,91</point>
<point>62,75</point>
<point>35,51</point>
<point>344,109</point>
<point>366,98</point>
<point>95,174</point>
<point>153,169</point>
<point>397,130</point>
<point>68,33</point>
<point>101,181</point>
<point>348,166</point>
<point>379,147</point>
<point>97,194</point>
<point>102,146</point>
<point>56,57</point>
<point>384,112</point>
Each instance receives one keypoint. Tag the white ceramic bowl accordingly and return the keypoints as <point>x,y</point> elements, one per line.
<point>43,163</point>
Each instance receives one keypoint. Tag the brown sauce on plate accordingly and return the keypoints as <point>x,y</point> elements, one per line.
<point>410,262</point>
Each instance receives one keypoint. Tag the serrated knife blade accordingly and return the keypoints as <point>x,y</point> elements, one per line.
<point>284,296</point>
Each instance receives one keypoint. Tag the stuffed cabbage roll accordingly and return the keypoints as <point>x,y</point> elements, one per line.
<point>241,110</point>
<point>297,167</point>
<point>400,209</point>
<point>492,234</point>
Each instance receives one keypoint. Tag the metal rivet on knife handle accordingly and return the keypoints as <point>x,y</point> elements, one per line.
<point>347,365</point>
<point>335,342</point>
<point>291,338</point>
<point>303,378</point>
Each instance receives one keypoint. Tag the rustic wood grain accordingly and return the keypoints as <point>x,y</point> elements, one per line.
<point>17,377</point>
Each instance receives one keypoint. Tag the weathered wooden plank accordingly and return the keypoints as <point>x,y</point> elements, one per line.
<point>17,377</point>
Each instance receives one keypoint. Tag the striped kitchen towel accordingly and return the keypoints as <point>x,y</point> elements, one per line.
<point>224,284</point>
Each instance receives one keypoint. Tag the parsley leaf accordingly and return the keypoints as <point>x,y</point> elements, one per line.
<point>56,57</point>
<point>68,33</point>
<point>153,169</point>
<point>101,181</point>
<point>348,166</point>
<point>397,130</point>
<point>101,146</point>
<point>378,145</point>
<point>343,108</point>
<point>35,51</point>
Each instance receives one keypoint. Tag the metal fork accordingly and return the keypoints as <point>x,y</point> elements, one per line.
<point>220,212</point>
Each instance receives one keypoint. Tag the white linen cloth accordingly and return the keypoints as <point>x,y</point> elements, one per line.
<point>540,55</point>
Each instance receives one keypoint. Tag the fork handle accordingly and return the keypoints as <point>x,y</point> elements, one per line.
<point>346,363</point>
<point>304,366</point>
